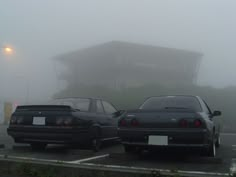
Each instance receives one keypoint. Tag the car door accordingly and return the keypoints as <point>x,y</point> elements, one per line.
<point>215,120</point>
<point>102,119</point>
<point>207,115</point>
<point>111,121</point>
<point>85,110</point>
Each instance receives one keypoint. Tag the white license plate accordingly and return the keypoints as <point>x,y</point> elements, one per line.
<point>158,140</point>
<point>39,120</point>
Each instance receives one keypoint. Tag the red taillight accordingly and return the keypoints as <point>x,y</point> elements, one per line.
<point>19,120</point>
<point>197,123</point>
<point>64,121</point>
<point>123,122</point>
<point>68,121</point>
<point>134,122</point>
<point>184,123</point>
<point>13,120</point>
<point>59,121</point>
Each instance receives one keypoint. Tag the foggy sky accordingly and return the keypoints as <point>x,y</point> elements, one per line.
<point>39,30</point>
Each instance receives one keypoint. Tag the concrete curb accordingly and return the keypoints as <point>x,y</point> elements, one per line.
<point>12,166</point>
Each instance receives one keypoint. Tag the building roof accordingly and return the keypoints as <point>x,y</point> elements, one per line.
<point>115,48</point>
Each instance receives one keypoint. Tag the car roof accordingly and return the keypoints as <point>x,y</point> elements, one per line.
<point>174,96</point>
<point>63,98</point>
<point>74,98</point>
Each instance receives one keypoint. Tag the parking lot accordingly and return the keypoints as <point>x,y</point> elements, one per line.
<point>112,153</point>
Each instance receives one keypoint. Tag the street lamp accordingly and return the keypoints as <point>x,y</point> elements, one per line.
<point>8,50</point>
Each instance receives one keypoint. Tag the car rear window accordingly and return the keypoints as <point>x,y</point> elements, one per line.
<point>81,104</point>
<point>172,102</point>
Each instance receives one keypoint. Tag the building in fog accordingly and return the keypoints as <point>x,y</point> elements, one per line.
<point>122,64</point>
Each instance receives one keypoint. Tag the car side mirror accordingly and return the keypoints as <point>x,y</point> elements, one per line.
<point>216,113</point>
<point>118,113</point>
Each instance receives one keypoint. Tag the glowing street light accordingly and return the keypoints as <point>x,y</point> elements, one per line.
<point>8,50</point>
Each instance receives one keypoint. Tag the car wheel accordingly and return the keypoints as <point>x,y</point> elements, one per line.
<point>211,151</point>
<point>129,148</point>
<point>38,146</point>
<point>96,140</point>
<point>218,141</point>
<point>96,144</point>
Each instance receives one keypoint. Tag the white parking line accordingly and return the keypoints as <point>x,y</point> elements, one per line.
<point>48,160</point>
<point>234,147</point>
<point>89,159</point>
<point>228,134</point>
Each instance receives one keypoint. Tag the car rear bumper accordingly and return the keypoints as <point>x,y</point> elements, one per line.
<point>175,137</point>
<point>49,135</point>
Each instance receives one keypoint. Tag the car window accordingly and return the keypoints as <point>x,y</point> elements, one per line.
<point>68,103</point>
<point>108,107</point>
<point>184,102</point>
<point>82,104</point>
<point>62,102</point>
<point>99,107</point>
<point>208,110</point>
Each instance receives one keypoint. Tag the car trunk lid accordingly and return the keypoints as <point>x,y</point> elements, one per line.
<point>40,114</point>
<point>168,118</point>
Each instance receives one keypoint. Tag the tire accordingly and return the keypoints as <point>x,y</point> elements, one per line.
<point>129,148</point>
<point>211,151</point>
<point>96,144</point>
<point>96,141</point>
<point>218,141</point>
<point>38,146</point>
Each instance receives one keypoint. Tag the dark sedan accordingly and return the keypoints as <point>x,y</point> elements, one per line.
<point>171,121</point>
<point>65,121</point>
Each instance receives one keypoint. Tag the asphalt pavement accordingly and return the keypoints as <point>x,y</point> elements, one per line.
<point>112,153</point>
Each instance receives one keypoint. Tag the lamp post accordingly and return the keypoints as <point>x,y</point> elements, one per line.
<point>8,51</point>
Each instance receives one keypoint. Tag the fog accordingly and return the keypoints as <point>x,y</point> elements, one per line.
<point>40,30</point>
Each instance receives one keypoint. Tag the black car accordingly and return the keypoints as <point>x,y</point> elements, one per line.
<point>171,121</point>
<point>65,121</point>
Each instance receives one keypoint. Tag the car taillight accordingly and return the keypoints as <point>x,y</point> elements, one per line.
<point>13,120</point>
<point>134,122</point>
<point>59,121</point>
<point>64,121</point>
<point>123,122</point>
<point>19,120</point>
<point>67,121</point>
<point>183,123</point>
<point>197,123</point>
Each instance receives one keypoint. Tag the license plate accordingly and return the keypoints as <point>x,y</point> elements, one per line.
<point>158,140</point>
<point>39,120</point>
